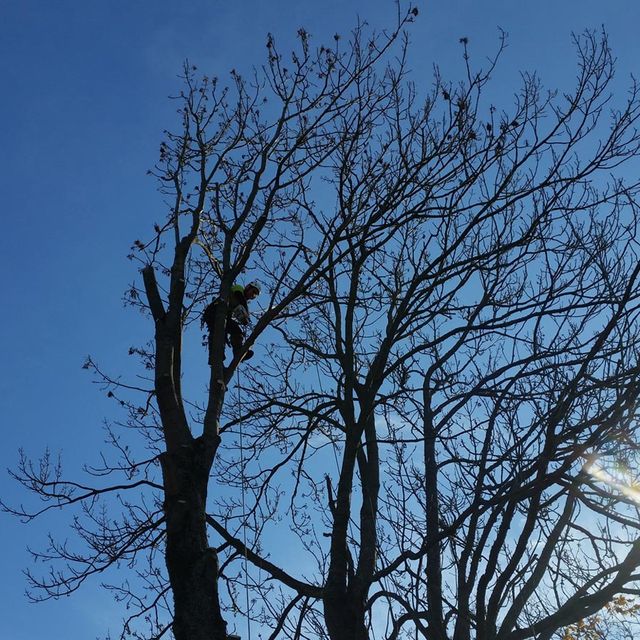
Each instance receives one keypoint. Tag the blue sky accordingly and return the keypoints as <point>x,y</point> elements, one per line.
<point>84,87</point>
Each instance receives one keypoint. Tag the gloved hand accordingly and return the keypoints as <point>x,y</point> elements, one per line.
<point>240,315</point>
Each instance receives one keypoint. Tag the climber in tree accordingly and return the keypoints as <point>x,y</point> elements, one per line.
<point>237,316</point>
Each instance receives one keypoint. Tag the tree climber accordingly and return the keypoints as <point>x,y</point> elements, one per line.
<point>237,317</point>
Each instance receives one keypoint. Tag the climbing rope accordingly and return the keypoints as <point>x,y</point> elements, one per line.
<point>244,510</point>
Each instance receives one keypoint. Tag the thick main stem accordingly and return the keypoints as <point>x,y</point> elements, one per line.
<point>192,564</point>
<point>434,568</point>
<point>344,597</point>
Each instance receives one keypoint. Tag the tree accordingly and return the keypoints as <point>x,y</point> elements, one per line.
<point>451,322</point>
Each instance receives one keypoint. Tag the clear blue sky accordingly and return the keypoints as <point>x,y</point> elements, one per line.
<point>84,88</point>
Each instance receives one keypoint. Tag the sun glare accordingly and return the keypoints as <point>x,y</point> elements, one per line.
<point>620,481</point>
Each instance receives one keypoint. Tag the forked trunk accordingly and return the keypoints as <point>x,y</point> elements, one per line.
<point>344,614</point>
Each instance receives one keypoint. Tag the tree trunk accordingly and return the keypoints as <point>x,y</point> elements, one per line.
<point>344,595</point>
<point>432,512</point>
<point>344,611</point>
<point>192,564</point>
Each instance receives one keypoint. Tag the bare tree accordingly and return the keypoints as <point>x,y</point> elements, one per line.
<point>468,359</point>
<point>446,361</point>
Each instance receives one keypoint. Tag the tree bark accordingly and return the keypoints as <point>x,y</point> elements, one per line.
<point>434,568</point>
<point>344,596</point>
<point>344,611</point>
<point>192,564</point>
